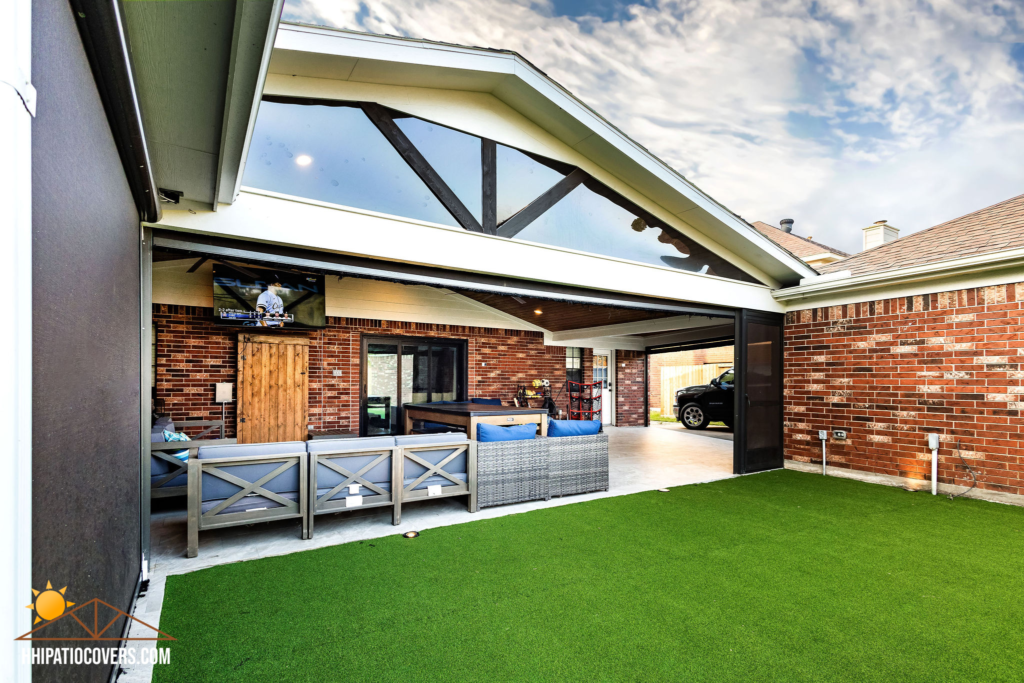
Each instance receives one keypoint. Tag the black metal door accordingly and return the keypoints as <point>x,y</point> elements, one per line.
<point>757,444</point>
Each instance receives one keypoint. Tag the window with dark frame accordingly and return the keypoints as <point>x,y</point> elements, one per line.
<point>573,364</point>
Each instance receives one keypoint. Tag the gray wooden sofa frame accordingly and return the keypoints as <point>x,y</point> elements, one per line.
<point>319,505</point>
<point>216,519</point>
<point>162,451</point>
<point>408,494</point>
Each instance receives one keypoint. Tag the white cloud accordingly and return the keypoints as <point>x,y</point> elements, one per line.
<point>836,114</point>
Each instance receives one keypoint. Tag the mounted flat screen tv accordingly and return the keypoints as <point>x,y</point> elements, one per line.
<point>264,298</point>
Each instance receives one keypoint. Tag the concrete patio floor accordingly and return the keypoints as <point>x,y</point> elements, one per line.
<point>640,459</point>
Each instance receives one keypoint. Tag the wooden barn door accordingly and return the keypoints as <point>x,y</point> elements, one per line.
<point>273,383</point>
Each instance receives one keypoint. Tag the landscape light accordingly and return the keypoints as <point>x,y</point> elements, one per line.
<point>411,534</point>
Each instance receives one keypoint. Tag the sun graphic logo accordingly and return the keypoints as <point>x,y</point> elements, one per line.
<point>49,603</point>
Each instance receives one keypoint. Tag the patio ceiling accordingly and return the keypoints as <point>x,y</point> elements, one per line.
<point>558,316</point>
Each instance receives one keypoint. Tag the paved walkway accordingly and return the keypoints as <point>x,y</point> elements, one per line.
<point>640,459</point>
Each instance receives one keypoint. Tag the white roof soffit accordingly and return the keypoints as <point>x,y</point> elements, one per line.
<point>350,56</point>
<point>199,70</point>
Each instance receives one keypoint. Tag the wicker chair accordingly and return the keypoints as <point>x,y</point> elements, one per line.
<point>578,464</point>
<point>512,472</point>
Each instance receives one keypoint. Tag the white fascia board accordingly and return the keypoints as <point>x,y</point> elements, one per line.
<point>336,42</point>
<point>342,43</point>
<point>680,322</point>
<point>279,219</point>
<point>1003,267</point>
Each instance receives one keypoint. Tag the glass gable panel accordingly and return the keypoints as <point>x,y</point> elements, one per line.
<point>453,154</point>
<point>521,179</point>
<point>335,154</point>
<point>585,221</point>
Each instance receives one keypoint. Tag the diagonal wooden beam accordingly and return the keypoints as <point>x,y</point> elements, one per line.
<point>532,211</point>
<point>195,266</point>
<point>489,171</point>
<point>403,145</point>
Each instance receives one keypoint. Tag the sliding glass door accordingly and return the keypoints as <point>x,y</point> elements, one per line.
<point>397,370</point>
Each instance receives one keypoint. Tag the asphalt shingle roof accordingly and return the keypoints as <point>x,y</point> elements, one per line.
<point>996,228</point>
<point>796,245</point>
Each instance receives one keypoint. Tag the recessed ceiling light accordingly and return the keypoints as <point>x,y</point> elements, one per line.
<point>537,311</point>
<point>303,160</point>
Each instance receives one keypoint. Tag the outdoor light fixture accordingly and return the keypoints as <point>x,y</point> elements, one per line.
<point>411,534</point>
<point>303,160</point>
<point>663,490</point>
<point>537,311</point>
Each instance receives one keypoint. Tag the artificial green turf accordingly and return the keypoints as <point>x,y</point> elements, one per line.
<point>776,576</point>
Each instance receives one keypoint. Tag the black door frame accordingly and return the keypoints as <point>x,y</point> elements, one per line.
<point>400,340</point>
<point>739,443</point>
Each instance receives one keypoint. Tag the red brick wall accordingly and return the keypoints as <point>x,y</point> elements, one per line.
<point>191,356</point>
<point>193,353</point>
<point>723,354</point>
<point>891,371</point>
<point>629,385</point>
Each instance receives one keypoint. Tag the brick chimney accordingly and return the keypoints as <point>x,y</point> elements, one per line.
<point>879,233</point>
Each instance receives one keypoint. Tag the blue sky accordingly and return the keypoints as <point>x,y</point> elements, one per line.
<point>835,113</point>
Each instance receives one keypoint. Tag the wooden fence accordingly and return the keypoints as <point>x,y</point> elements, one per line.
<point>675,377</point>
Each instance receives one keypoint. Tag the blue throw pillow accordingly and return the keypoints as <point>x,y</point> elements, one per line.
<point>486,433</point>
<point>573,427</point>
<point>177,436</point>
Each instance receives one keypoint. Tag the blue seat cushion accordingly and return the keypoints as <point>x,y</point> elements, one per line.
<point>343,493</point>
<point>435,480</point>
<point>180,480</point>
<point>558,428</point>
<point>245,450</point>
<point>248,503</point>
<point>378,474</point>
<point>487,401</point>
<point>446,444</point>
<point>214,488</point>
<point>428,439</point>
<point>362,444</point>
<point>486,433</point>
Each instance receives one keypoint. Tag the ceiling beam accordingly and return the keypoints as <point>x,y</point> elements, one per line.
<point>690,335</point>
<point>680,322</point>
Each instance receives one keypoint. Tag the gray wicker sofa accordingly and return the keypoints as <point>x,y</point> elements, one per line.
<point>539,469</point>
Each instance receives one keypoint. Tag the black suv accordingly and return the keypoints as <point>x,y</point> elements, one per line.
<point>698,406</point>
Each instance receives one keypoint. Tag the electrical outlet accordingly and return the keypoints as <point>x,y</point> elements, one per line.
<point>933,442</point>
<point>822,434</point>
<point>838,434</point>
